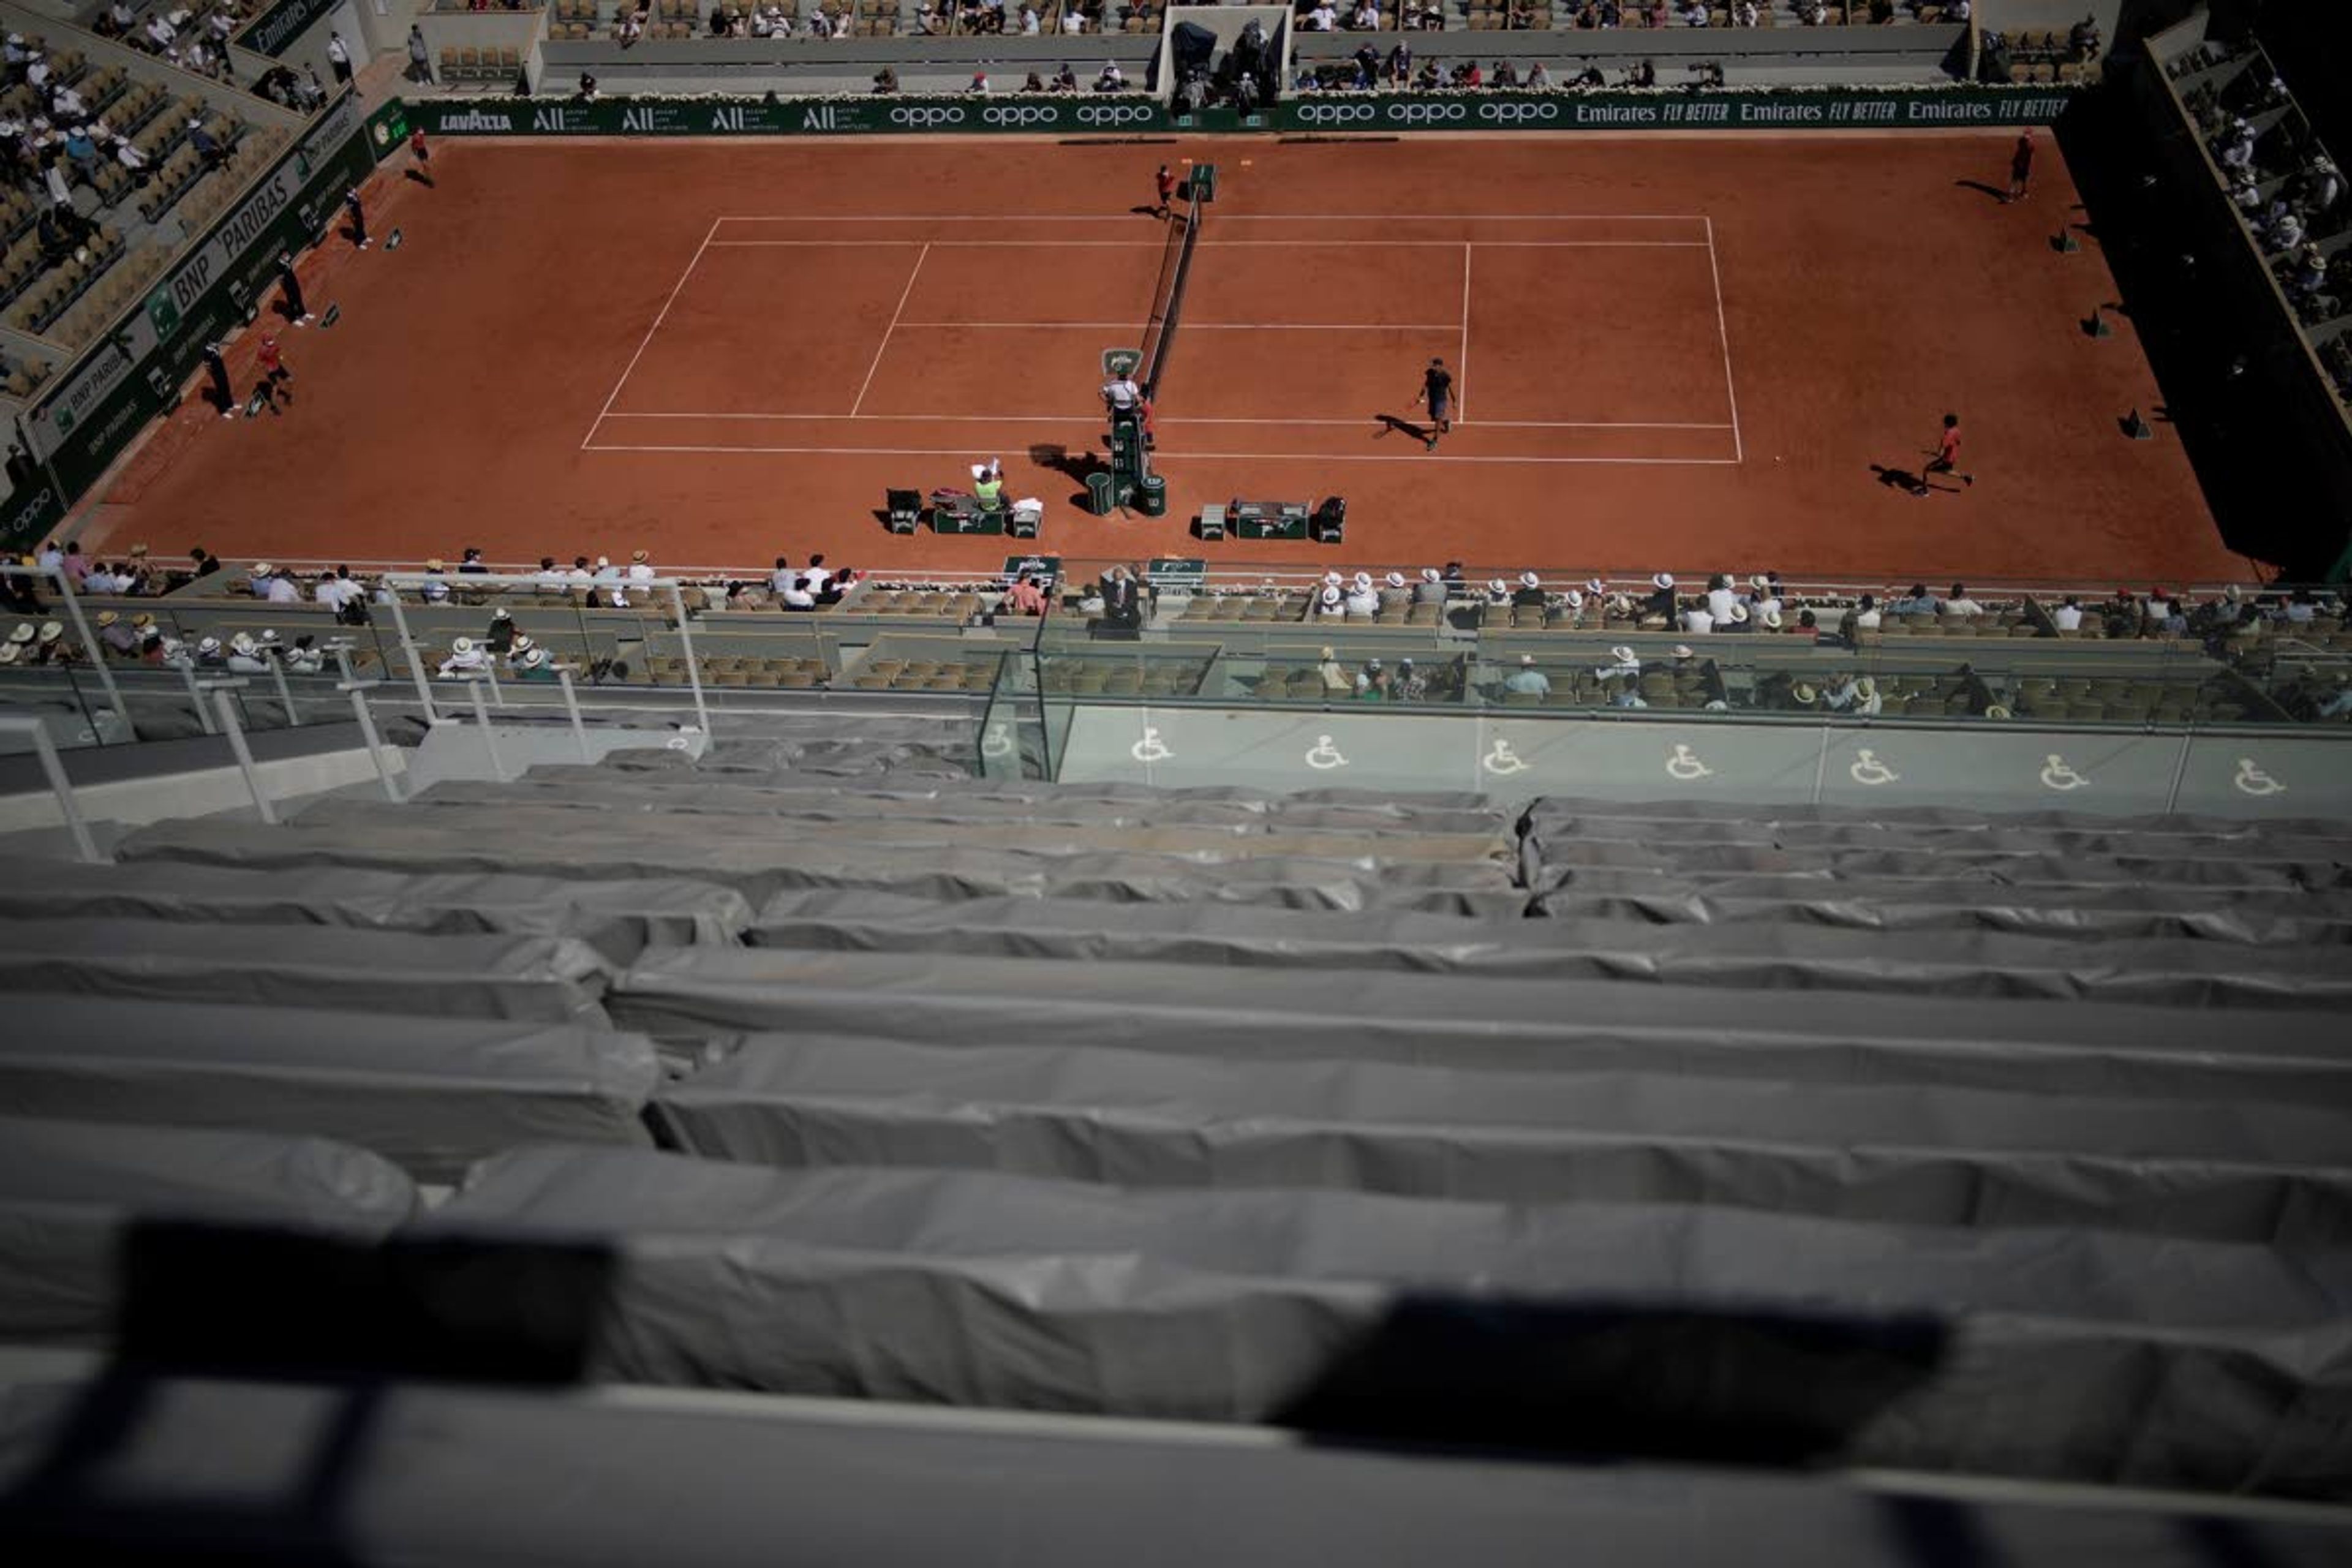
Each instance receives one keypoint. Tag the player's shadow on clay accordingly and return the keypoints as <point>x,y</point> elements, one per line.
<point>1896,479</point>
<point>1995,191</point>
<point>1393,423</point>
<point>1075,466</point>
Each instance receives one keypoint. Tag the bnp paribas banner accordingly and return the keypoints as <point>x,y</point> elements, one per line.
<point>1071,115</point>
<point>136,373</point>
<point>1873,108</point>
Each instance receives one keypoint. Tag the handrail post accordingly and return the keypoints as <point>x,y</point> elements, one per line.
<point>96,653</point>
<point>415,665</point>
<point>284,692</point>
<point>196,695</point>
<point>693,665</point>
<point>482,722</point>
<point>359,710</point>
<point>572,708</point>
<point>244,753</point>
<point>54,770</point>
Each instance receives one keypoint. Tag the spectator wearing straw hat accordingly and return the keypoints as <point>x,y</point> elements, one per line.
<point>641,567</point>
<point>1395,594</point>
<point>500,637</point>
<point>116,635</point>
<point>1623,665</point>
<point>1498,592</point>
<point>1660,600</point>
<point>434,589</point>
<point>245,656</point>
<point>1430,589</point>
<point>1363,596</point>
<point>465,658</point>
<point>1530,594</point>
<point>1736,621</point>
<point>1331,604</point>
<point>1333,674</point>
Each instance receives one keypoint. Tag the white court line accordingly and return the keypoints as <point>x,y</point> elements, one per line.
<point>1182,457</point>
<point>884,346</point>
<point>646,341</point>
<point>1236,218</point>
<point>1175,419</point>
<point>1210,326</point>
<point>1461,365</point>
<point>1730,387</point>
<point>1217,244</point>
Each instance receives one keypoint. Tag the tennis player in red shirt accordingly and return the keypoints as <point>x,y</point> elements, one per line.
<point>276,380</point>
<point>1165,180</point>
<point>1946,459</point>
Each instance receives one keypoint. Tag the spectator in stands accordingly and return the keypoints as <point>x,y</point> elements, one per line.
<point>133,161</point>
<point>1530,594</point>
<point>1025,597</point>
<point>245,656</point>
<point>339,59</point>
<point>887,81</point>
<point>1526,680</point>
<point>1504,75</point>
<point>304,657</point>
<point>434,589</point>
<point>1372,682</point>
<point>206,144</point>
<point>1862,617</point>
<point>204,560</point>
<point>1693,13</point>
<point>1537,79</point>
<point>101,580</point>
<point>641,567</point>
<point>1322,18</point>
<point>116,638</point>
<point>2083,39</point>
<point>1074,21</point>
<point>1065,79</point>
<point>1112,79</point>
<point>1719,597</point>
<point>1366,17</point>
<point>500,637</point>
<point>1430,589</point>
<point>1624,666</point>
<point>1698,619</point>
<point>1660,600</point>
<point>1736,619</point>
<point>587,89</point>
<point>2284,233</point>
<point>1395,596</point>
<point>465,658</point>
<point>1917,601</point>
<point>1498,592</point>
<point>1960,605</point>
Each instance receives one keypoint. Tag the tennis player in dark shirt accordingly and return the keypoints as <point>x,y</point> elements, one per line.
<point>1437,391</point>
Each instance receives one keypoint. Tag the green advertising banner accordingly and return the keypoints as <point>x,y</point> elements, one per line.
<point>274,31</point>
<point>1067,114</point>
<point>136,373</point>
<point>1872,109</point>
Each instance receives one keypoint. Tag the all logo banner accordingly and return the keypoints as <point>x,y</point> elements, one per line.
<point>1825,108</point>
<point>1065,115</point>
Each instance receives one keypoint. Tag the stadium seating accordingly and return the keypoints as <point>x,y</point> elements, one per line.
<point>867,1078</point>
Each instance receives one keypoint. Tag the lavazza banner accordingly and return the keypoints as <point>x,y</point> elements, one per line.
<point>1828,109</point>
<point>1109,114</point>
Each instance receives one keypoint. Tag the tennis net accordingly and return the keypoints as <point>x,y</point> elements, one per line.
<point>1168,297</point>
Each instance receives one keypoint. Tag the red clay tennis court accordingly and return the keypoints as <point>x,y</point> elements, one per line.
<point>1688,351</point>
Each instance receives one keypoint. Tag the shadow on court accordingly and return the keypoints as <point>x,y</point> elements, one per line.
<point>1396,424</point>
<point>1995,191</point>
<point>1075,467</point>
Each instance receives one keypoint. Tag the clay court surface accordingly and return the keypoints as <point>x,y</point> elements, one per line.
<point>1681,352</point>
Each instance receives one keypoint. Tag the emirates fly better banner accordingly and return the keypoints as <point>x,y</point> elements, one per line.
<point>1828,109</point>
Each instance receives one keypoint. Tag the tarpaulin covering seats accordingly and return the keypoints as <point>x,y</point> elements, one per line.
<point>71,1191</point>
<point>2125,1359</point>
<point>1909,1153</point>
<point>433,1094</point>
<point>487,975</point>
<point>1506,1023</point>
<point>619,919</point>
<point>658,845</point>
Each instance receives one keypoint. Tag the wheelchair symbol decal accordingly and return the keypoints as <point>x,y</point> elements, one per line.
<point>1687,767</point>
<point>996,742</point>
<point>1502,760</point>
<point>1323,755</point>
<point>1868,770</point>
<point>2252,780</point>
<point>2057,775</point>
<point>1149,749</point>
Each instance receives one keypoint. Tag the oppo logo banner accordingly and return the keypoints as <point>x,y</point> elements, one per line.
<point>1113,114</point>
<point>1335,114</point>
<point>926,117</point>
<point>1425,113</point>
<point>1018,114</point>
<point>1518,113</point>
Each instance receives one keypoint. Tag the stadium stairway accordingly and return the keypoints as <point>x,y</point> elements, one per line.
<point>1917,1140</point>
